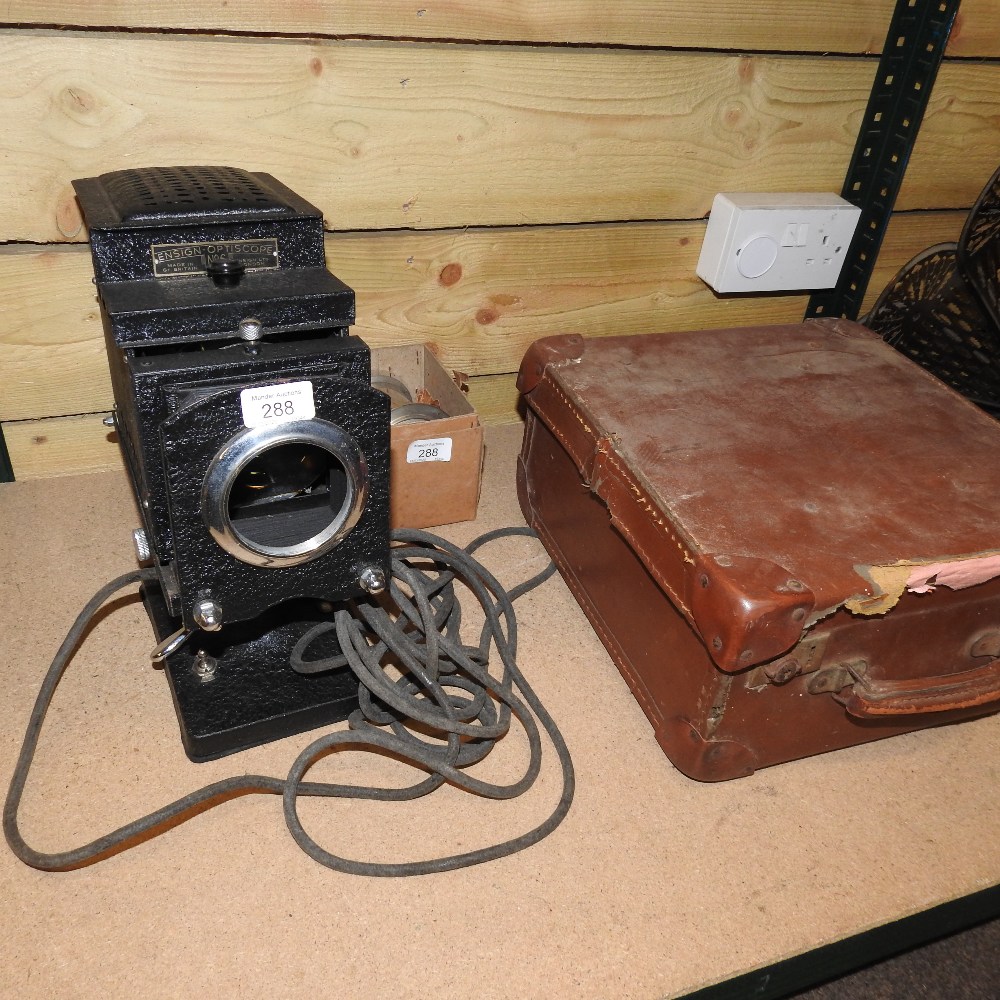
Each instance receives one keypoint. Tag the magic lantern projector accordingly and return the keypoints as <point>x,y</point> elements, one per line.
<point>257,448</point>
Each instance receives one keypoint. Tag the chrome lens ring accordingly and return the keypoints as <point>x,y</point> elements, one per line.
<point>250,444</point>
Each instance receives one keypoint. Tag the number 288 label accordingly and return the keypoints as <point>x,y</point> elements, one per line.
<point>276,404</point>
<point>429,450</point>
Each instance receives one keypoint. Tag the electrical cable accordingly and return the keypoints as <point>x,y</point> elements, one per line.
<point>415,674</point>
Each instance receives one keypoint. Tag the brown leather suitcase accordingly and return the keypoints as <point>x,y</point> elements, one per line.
<point>788,538</point>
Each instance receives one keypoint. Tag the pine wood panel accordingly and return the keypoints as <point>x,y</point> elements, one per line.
<point>495,398</point>
<point>52,355</point>
<point>385,135</point>
<point>479,297</point>
<point>61,446</point>
<point>388,136</point>
<point>68,446</point>
<point>961,126</point>
<point>806,25</point>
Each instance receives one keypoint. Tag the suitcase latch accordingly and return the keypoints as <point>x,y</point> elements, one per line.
<point>835,678</point>
<point>804,658</point>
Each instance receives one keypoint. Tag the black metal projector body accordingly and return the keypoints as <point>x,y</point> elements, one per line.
<point>256,446</point>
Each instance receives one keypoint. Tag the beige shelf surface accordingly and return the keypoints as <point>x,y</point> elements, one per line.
<point>653,886</point>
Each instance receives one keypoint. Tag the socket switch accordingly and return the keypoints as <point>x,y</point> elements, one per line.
<point>776,242</point>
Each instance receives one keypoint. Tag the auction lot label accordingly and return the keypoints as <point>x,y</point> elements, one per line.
<point>277,404</point>
<point>429,450</point>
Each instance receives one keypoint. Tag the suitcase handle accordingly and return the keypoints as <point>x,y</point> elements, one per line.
<point>876,699</point>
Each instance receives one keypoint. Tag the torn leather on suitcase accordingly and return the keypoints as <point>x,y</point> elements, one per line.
<point>810,518</point>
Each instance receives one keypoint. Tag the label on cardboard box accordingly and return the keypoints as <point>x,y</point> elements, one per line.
<point>429,450</point>
<point>277,404</point>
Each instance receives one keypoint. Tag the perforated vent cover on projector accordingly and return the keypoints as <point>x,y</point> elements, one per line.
<point>150,195</point>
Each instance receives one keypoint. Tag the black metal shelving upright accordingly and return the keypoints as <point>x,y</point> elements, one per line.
<point>914,46</point>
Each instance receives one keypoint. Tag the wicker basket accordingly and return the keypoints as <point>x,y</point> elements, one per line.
<point>943,308</point>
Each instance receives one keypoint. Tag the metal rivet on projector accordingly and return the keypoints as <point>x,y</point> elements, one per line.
<point>208,615</point>
<point>372,579</point>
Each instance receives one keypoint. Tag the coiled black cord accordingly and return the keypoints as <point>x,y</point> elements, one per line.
<point>436,682</point>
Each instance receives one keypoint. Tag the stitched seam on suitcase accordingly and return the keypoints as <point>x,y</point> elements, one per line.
<point>580,460</point>
<point>623,475</point>
<point>655,516</point>
<point>622,661</point>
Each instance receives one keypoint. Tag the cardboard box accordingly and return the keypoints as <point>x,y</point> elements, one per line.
<point>435,465</point>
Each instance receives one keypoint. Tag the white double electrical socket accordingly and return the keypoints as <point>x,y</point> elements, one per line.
<point>776,242</point>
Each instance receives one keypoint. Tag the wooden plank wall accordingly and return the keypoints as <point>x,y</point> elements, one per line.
<point>489,173</point>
